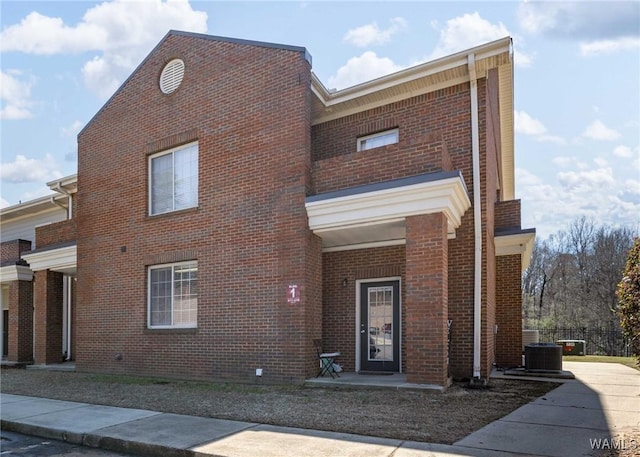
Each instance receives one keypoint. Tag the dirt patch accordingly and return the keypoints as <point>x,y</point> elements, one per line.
<point>406,415</point>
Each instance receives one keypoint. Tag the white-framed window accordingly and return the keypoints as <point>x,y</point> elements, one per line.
<point>378,139</point>
<point>173,179</point>
<point>173,295</point>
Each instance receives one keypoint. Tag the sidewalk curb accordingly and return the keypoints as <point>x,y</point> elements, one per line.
<point>96,440</point>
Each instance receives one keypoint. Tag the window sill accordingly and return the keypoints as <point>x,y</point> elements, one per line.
<point>173,213</point>
<point>172,331</point>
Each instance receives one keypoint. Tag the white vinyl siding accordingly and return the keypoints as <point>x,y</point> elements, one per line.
<point>173,295</point>
<point>25,228</point>
<point>173,179</point>
<point>378,139</point>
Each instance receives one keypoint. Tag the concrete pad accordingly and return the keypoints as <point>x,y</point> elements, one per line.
<point>173,430</point>
<point>415,449</point>
<point>625,390</point>
<point>272,441</point>
<point>591,401</point>
<point>10,398</point>
<point>86,418</point>
<point>536,439</point>
<point>35,407</point>
<point>553,415</point>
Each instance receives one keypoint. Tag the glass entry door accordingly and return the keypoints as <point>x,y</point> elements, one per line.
<point>379,326</point>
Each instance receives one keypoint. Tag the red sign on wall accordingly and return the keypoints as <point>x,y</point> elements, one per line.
<point>293,293</point>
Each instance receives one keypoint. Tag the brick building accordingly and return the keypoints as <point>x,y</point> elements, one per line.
<point>230,210</point>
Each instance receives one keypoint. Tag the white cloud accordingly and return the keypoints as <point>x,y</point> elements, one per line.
<point>582,20</point>
<point>4,203</point>
<point>72,130</point>
<point>470,30</point>
<point>598,131</point>
<point>601,162</point>
<point>563,161</point>
<point>465,32</point>
<point>363,68</point>
<point>371,34</point>
<point>525,124</point>
<point>24,170</point>
<point>623,151</point>
<point>15,96</point>
<point>597,193</point>
<point>122,32</point>
<point>609,46</point>
<point>632,186</point>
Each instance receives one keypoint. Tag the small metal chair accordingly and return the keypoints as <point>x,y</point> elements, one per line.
<point>327,360</point>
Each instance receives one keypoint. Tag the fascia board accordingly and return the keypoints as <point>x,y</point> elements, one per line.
<point>519,243</point>
<point>448,196</point>
<point>53,259</point>
<point>419,71</point>
<point>15,273</point>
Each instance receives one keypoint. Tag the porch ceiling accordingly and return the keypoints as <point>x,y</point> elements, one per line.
<point>374,215</point>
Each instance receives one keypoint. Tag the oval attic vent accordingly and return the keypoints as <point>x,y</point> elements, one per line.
<point>171,76</point>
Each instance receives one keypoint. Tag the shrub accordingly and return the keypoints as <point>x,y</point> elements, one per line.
<point>629,299</point>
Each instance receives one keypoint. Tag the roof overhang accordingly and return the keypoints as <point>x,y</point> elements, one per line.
<point>373,215</point>
<point>62,259</point>
<point>63,187</point>
<point>428,77</point>
<point>15,273</point>
<point>516,243</point>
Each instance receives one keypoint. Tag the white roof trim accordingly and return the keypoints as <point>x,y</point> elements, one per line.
<point>448,196</point>
<point>518,243</point>
<point>15,273</point>
<point>53,259</point>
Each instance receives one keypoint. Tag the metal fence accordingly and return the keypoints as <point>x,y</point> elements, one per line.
<point>598,340</point>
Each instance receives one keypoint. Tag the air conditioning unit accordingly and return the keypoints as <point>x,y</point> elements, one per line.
<point>543,357</point>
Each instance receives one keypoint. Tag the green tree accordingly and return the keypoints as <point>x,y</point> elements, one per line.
<point>629,299</point>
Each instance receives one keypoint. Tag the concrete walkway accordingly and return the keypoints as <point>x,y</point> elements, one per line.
<point>603,402</point>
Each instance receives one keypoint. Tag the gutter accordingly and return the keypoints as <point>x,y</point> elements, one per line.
<point>477,218</point>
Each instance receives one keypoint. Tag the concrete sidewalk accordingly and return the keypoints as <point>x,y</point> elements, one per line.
<point>603,402</point>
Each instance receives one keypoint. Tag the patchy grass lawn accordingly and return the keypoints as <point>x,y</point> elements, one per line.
<point>407,415</point>
<point>628,361</point>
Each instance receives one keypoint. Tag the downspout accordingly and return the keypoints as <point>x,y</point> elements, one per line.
<point>477,218</point>
<point>67,280</point>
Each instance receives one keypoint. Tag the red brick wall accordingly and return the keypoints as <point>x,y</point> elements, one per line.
<point>509,311</point>
<point>425,305</point>
<point>412,156</point>
<point>48,306</point>
<point>10,251</point>
<point>57,232</point>
<point>20,321</point>
<point>249,109</point>
<point>507,214</point>
<point>339,302</point>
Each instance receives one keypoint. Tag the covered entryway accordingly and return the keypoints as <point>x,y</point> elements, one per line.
<point>372,237</point>
<point>379,308</point>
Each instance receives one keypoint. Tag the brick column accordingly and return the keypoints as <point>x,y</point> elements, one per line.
<point>48,301</point>
<point>426,297</point>
<point>509,310</point>
<point>20,321</point>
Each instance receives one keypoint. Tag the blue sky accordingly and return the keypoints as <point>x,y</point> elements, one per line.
<point>577,73</point>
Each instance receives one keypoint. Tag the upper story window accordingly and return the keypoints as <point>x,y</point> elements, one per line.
<point>173,179</point>
<point>378,139</point>
<point>173,295</point>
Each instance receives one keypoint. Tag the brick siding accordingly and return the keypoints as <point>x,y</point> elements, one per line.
<point>249,232</point>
